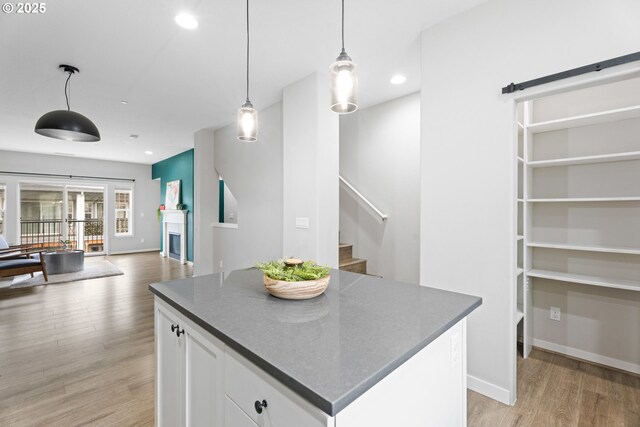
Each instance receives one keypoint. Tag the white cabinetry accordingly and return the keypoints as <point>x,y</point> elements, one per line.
<point>189,372</point>
<point>203,382</point>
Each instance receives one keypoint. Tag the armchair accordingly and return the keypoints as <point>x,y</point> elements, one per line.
<point>20,259</point>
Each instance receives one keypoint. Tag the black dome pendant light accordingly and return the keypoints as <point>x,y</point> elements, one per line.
<point>67,124</point>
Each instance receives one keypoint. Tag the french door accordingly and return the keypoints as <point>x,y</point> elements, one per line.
<point>53,215</point>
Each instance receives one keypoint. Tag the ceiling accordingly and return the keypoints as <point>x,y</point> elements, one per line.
<point>177,81</point>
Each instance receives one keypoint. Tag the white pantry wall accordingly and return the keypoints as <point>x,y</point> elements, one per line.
<point>380,157</point>
<point>467,168</point>
<point>145,193</point>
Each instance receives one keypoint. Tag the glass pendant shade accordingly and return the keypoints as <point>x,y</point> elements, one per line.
<point>344,85</point>
<point>67,125</point>
<point>247,123</point>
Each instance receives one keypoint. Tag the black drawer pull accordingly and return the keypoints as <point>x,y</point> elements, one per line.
<point>177,330</point>
<point>259,405</point>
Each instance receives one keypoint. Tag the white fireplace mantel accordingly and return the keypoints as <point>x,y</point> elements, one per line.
<point>174,221</point>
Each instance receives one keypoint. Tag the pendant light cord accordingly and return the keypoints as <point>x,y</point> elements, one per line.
<point>66,96</point>
<point>248,51</point>
<point>342,26</point>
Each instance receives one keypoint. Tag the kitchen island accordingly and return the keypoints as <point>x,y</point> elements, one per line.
<point>367,352</point>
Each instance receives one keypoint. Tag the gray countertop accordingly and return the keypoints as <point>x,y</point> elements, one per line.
<point>329,349</point>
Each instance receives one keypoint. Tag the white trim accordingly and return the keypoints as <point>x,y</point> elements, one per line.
<point>224,225</point>
<point>488,389</point>
<point>136,251</point>
<point>589,357</point>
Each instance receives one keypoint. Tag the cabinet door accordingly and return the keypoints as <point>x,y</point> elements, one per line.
<point>169,366</point>
<point>204,377</point>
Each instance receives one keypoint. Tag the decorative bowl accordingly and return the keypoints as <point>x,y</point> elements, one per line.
<point>296,290</point>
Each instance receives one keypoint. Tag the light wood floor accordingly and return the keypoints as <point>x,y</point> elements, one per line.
<point>554,390</point>
<point>82,354</point>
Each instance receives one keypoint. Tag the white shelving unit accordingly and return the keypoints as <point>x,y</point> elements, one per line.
<point>578,201</point>
<point>585,199</point>
<point>585,160</point>
<point>607,282</point>
<point>586,248</point>
<point>520,197</point>
<point>585,120</point>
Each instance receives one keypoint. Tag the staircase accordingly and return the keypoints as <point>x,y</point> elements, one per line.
<point>348,262</point>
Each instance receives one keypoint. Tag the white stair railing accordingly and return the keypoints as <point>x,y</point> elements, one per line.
<point>363,201</point>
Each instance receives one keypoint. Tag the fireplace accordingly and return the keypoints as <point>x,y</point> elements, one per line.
<point>174,232</point>
<point>174,245</point>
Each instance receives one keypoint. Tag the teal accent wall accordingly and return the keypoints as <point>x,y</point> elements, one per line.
<point>179,167</point>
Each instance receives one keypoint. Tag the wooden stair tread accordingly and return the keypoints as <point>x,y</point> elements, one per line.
<point>351,261</point>
<point>344,245</point>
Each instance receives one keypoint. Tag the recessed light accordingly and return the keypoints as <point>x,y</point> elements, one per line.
<point>398,79</point>
<point>133,136</point>
<point>124,102</point>
<point>187,21</point>
<point>148,152</point>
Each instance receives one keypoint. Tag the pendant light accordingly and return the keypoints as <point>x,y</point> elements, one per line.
<point>344,81</point>
<point>67,124</point>
<point>247,115</point>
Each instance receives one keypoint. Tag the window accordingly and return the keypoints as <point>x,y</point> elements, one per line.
<point>3,193</point>
<point>124,204</point>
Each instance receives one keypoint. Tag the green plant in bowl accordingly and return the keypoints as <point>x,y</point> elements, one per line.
<point>297,271</point>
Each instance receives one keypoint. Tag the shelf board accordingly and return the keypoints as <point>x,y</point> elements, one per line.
<point>519,237</point>
<point>588,248</point>
<point>520,159</point>
<point>586,119</point>
<point>520,200</point>
<point>585,199</point>
<point>607,282</point>
<point>519,271</point>
<point>519,313</point>
<point>585,160</point>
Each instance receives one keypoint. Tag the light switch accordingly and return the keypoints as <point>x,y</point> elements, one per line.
<point>302,222</point>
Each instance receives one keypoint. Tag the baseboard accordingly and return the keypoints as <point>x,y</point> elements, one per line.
<point>587,356</point>
<point>488,389</point>
<point>137,251</point>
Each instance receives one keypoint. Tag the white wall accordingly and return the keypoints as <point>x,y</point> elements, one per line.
<point>145,196</point>
<point>230,206</point>
<point>380,157</point>
<point>205,201</point>
<point>253,171</point>
<point>310,175</point>
<point>467,150</point>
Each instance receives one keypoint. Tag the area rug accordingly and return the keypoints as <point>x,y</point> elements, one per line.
<point>93,269</point>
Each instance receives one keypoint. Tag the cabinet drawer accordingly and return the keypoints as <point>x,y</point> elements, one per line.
<point>245,384</point>
<point>234,417</point>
